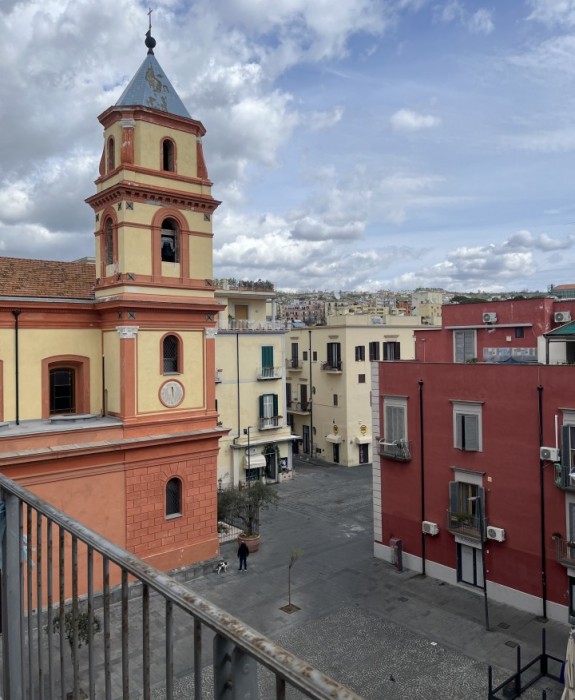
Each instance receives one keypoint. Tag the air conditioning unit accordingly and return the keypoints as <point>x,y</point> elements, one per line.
<point>562,316</point>
<point>549,454</point>
<point>429,528</point>
<point>489,317</point>
<point>496,533</point>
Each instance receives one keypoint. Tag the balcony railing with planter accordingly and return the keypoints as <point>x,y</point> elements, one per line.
<point>269,373</point>
<point>294,365</point>
<point>270,422</point>
<point>565,552</point>
<point>299,407</point>
<point>564,477</point>
<point>466,524</point>
<point>47,556</point>
<point>332,366</point>
<point>398,450</point>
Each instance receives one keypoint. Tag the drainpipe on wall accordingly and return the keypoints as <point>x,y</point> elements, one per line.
<point>311,399</point>
<point>422,472</point>
<point>542,507</point>
<point>16,313</point>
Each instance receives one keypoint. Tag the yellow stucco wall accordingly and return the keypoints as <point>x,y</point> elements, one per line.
<point>148,150</point>
<point>149,375</point>
<point>111,343</point>
<point>36,345</point>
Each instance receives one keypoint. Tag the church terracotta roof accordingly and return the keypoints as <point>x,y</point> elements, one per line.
<point>22,277</point>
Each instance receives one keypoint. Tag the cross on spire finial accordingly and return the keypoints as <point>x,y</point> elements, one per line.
<point>150,41</point>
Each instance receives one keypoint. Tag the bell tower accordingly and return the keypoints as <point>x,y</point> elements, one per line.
<point>153,212</point>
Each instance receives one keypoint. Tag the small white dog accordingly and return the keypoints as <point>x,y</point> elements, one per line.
<point>221,567</point>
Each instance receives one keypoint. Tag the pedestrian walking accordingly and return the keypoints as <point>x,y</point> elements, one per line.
<point>243,554</point>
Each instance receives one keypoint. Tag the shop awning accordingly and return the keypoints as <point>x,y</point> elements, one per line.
<point>336,439</point>
<point>255,462</point>
<point>363,439</point>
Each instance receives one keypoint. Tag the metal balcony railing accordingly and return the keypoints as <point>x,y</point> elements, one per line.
<point>332,366</point>
<point>565,477</point>
<point>48,558</point>
<point>299,407</point>
<point>270,373</point>
<point>243,325</point>
<point>565,552</point>
<point>398,450</point>
<point>293,364</point>
<point>270,422</point>
<point>466,524</point>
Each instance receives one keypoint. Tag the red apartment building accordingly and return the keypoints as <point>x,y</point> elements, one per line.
<point>475,457</point>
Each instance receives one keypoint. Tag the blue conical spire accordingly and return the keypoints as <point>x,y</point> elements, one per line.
<point>150,87</point>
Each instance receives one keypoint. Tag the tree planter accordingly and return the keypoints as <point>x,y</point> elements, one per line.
<point>252,541</point>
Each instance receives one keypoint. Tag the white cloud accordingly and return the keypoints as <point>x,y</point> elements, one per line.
<point>408,120</point>
<point>548,57</point>
<point>553,12</point>
<point>551,141</point>
<point>481,22</point>
<point>323,120</point>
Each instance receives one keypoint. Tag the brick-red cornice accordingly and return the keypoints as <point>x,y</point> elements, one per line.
<point>153,195</point>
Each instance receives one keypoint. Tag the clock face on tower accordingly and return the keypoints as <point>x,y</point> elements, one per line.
<point>171,394</point>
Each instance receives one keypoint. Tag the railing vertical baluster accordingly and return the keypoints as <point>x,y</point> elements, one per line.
<point>280,688</point>
<point>223,650</point>
<point>62,599</point>
<point>12,600</point>
<point>30,604</point>
<point>244,675</point>
<point>91,678</point>
<point>107,661</point>
<point>39,601</point>
<point>125,639</point>
<point>146,640</point>
<point>169,650</point>
<point>198,658</point>
<point>75,617</point>
<point>50,601</point>
<point>21,551</point>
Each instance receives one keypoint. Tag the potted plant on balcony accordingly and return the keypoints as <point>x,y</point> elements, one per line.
<point>244,506</point>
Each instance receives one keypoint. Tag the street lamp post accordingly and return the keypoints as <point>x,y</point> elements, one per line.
<point>247,432</point>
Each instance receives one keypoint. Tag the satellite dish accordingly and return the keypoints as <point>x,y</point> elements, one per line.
<point>337,296</point>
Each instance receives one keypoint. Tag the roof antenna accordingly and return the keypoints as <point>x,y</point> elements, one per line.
<point>150,41</point>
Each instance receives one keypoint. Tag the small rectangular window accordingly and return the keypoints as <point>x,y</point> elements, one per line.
<point>359,353</point>
<point>304,354</point>
<point>361,378</point>
<point>520,332</point>
<point>465,344</point>
<point>374,351</point>
<point>392,351</point>
<point>335,403</point>
<point>467,427</point>
<point>314,356</point>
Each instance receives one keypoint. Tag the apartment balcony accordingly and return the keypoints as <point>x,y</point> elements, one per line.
<point>48,555</point>
<point>565,552</point>
<point>244,326</point>
<point>303,408</point>
<point>398,450</point>
<point>270,422</point>
<point>466,524</point>
<point>269,373</point>
<point>294,365</point>
<point>335,367</point>
<point>564,477</point>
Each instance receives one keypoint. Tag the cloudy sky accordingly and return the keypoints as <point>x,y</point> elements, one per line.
<point>357,144</point>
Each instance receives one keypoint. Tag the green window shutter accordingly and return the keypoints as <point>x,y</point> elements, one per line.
<point>275,400</point>
<point>267,356</point>
<point>261,406</point>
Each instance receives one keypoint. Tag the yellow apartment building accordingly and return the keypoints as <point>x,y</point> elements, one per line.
<point>329,381</point>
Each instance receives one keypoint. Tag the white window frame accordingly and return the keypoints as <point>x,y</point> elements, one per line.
<point>474,410</point>
<point>394,402</point>
<point>465,358</point>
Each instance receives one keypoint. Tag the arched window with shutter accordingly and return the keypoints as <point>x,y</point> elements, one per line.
<point>111,155</point>
<point>109,242</point>
<point>171,354</point>
<point>170,241</point>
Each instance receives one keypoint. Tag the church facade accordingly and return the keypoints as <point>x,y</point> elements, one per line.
<point>107,365</point>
